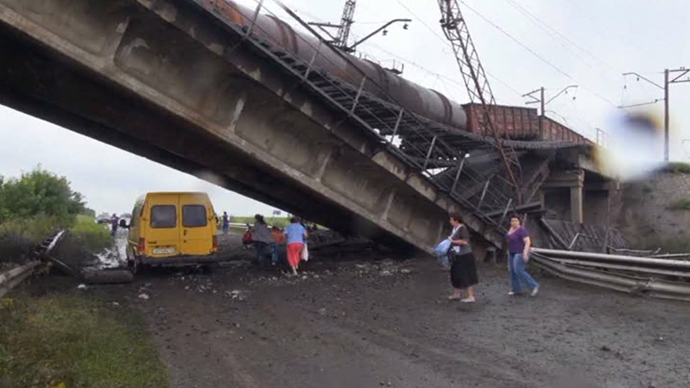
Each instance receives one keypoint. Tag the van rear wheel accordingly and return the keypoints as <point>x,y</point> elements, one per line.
<point>133,266</point>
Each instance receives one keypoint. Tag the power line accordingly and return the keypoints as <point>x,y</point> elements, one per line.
<point>439,75</point>
<point>550,64</point>
<point>546,27</point>
<point>511,37</point>
<point>603,28</point>
<point>446,43</point>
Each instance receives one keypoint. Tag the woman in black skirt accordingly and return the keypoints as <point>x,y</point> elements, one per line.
<point>463,269</point>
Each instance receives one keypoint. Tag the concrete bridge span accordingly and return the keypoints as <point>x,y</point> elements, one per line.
<point>165,80</point>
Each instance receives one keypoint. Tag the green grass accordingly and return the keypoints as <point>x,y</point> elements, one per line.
<point>678,168</point>
<point>68,339</point>
<point>280,222</point>
<point>94,237</point>
<point>682,204</point>
<point>19,236</point>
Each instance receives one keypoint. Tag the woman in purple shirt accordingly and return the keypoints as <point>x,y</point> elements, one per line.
<point>519,244</point>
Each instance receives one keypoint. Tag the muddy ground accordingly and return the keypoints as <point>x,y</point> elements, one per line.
<point>354,322</point>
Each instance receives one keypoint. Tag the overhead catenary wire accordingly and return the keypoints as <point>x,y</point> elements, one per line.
<point>537,55</point>
<point>445,42</point>
<point>378,86</point>
<point>461,87</point>
<point>439,75</point>
<point>445,150</point>
<point>517,41</point>
<point>448,45</point>
<point>551,31</point>
<point>603,28</point>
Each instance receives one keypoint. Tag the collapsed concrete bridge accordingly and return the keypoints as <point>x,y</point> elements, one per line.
<point>209,88</point>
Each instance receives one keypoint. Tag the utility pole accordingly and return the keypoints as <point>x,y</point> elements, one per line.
<point>541,100</point>
<point>346,24</point>
<point>340,41</point>
<point>668,81</point>
<point>543,113</point>
<point>666,117</point>
<point>477,84</point>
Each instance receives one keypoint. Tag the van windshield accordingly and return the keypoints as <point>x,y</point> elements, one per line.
<point>194,216</point>
<point>163,216</point>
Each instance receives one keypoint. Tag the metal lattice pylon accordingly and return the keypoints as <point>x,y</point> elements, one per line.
<point>346,24</point>
<point>478,88</point>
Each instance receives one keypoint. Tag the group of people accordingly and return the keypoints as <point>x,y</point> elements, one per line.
<point>263,238</point>
<point>463,267</point>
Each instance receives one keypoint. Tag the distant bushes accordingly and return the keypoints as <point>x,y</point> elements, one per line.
<point>34,206</point>
<point>19,236</point>
<point>280,222</point>
<point>678,168</point>
<point>92,236</point>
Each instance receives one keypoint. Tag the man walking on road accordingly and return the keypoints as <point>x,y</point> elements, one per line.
<point>113,224</point>
<point>226,223</point>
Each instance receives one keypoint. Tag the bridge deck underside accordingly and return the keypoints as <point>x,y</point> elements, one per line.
<point>160,79</point>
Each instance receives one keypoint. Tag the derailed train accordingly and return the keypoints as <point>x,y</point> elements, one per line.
<point>412,97</point>
<point>518,123</point>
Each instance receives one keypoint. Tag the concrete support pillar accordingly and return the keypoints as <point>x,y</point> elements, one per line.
<point>576,210</point>
<point>574,181</point>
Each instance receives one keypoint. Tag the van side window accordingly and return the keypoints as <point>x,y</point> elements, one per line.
<point>163,216</point>
<point>194,216</point>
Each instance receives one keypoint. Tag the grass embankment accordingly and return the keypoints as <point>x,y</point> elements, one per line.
<point>18,237</point>
<point>95,237</point>
<point>280,222</point>
<point>678,168</point>
<point>69,341</point>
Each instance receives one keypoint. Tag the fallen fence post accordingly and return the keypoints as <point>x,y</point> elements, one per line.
<point>14,277</point>
<point>553,234</point>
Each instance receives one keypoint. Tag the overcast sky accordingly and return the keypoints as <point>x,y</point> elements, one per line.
<point>550,43</point>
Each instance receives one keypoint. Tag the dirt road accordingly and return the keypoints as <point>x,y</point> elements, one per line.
<point>388,323</point>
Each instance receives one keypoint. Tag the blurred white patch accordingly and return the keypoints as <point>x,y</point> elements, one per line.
<point>635,147</point>
<point>115,256</point>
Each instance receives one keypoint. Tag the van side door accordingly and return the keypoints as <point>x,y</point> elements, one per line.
<point>197,225</point>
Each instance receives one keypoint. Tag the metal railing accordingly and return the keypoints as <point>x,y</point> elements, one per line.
<point>417,141</point>
<point>652,276</point>
<point>16,276</point>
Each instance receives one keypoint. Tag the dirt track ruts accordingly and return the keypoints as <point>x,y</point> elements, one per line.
<point>371,324</point>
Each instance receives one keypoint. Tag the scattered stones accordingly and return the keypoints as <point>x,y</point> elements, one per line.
<point>238,295</point>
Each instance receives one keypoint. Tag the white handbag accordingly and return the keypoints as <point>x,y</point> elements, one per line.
<point>305,253</point>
